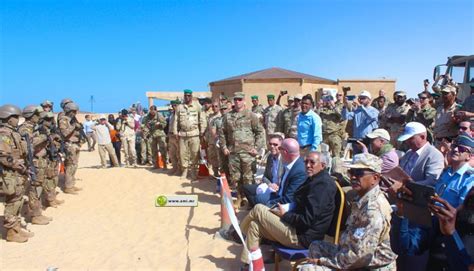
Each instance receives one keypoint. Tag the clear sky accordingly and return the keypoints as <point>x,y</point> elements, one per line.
<point>116,50</point>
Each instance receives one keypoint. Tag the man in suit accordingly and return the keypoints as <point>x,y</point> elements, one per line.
<point>284,180</point>
<point>423,162</point>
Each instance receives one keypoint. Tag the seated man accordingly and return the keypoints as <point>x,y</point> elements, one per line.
<point>365,243</point>
<point>285,179</point>
<point>294,225</point>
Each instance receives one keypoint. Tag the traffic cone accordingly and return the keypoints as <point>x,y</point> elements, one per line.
<point>159,161</point>
<point>61,168</point>
<point>225,220</point>
<point>203,169</point>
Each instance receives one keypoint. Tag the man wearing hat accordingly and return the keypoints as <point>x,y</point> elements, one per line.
<point>364,116</point>
<point>467,110</point>
<point>47,106</point>
<point>333,128</point>
<point>189,126</point>
<point>395,116</point>
<point>126,127</point>
<point>225,107</point>
<point>104,142</point>
<point>286,119</point>
<point>365,243</point>
<point>173,142</point>
<point>423,162</point>
<point>456,180</point>
<point>445,127</point>
<point>241,139</point>
<point>423,112</point>
<point>256,107</point>
<point>211,139</point>
<point>270,114</point>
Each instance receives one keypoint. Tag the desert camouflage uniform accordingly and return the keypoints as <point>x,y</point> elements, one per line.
<point>223,160</point>
<point>424,116</point>
<point>365,243</point>
<point>38,145</point>
<point>240,133</point>
<point>443,125</point>
<point>146,141</point>
<point>258,109</point>
<point>173,146</point>
<point>156,126</point>
<point>189,125</point>
<point>333,128</point>
<point>287,122</point>
<point>269,118</point>
<point>52,169</point>
<point>211,138</point>
<point>127,136</point>
<point>12,151</point>
<point>395,116</point>
<point>71,136</point>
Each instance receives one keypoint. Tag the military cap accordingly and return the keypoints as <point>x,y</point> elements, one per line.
<point>465,139</point>
<point>400,93</point>
<point>71,107</point>
<point>9,110</point>
<point>173,102</point>
<point>448,88</point>
<point>188,91</point>
<point>291,98</point>
<point>145,110</point>
<point>366,161</point>
<point>239,95</point>
<point>270,96</point>
<point>254,97</point>
<point>223,97</point>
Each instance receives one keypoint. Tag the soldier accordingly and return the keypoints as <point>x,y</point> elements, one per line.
<point>223,159</point>
<point>444,127</point>
<point>37,141</point>
<point>241,139</point>
<point>173,142</point>
<point>157,124</point>
<point>257,108</point>
<point>126,127</point>
<point>211,139</point>
<point>189,126</point>
<point>13,172</point>
<point>70,130</point>
<point>270,114</point>
<point>53,158</point>
<point>423,113</point>
<point>395,115</point>
<point>333,129</point>
<point>146,140</point>
<point>287,118</point>
<point>47,106</point>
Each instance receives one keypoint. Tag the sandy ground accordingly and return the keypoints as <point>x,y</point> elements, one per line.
<point>113,224</point>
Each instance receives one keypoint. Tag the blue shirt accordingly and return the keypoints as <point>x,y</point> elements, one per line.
<point>88,126</point>
<point>454,186</point>
<point>310,130</point>
<point>365,120</point>
<point>275,167</point>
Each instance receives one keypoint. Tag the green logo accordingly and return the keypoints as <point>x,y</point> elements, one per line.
<point>161,201</point>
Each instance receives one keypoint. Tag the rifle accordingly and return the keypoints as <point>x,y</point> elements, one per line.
<point>82,134</point>
<point>31,166</point>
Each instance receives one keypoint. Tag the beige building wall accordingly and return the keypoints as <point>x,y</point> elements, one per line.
<point>227,89</point>
<point>373,86</point>
<point>265,88</point>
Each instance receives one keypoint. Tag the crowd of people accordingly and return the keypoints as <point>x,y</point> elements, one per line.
<point>302,148</point>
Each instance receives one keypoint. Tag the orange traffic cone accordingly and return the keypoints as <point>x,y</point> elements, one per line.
<point>159,161</point>
<point>203,169</point>
<point>225,220</point>
<point>61,168</point>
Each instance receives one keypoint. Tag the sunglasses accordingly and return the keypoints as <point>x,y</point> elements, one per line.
<point>423,98</point>
<point>360,172</point>
<point>273,144</point>
<point>238,99</point>
<point>463,128</point>
<point>460,148</point>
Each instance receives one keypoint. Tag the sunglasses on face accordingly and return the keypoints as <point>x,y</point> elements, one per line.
<point>463,128</point>
<point>274,144</point>
<point>460,148</point>
<point>238,99</point>
<point>359,172</point>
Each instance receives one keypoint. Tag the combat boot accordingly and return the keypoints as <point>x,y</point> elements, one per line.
<point>172,172</point>
<point>24,232</point>
<point>39,220</point>
<point>14,235</point>
<point>52,204</point>
<point>76,188</point>
<point>58,201</point>
<point>184,174</point>
<point>70,191</point>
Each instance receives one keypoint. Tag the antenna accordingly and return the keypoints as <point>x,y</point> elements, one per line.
<point>92,101</point>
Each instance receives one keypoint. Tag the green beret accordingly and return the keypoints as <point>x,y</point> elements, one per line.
<point>254,97</point>
<point>188,91</point>
<point>175,102</point>
<point>270,96</point>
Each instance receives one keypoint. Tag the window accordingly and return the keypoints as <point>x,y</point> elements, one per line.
<point>457,74</point>
<point>470,72</point>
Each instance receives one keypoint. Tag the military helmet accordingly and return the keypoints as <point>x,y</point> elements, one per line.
<point>9,110</point>
<point>71,106</point>
<point>47,103</point>
<point>30,110</point>
<point>65,101</point>
<point>46,115</point>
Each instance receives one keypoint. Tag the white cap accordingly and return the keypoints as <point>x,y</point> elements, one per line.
<point>411,129</point>
<point>102,117</point>
<point>365,93</point>
<point>299,96</point>
<point>379,133</point>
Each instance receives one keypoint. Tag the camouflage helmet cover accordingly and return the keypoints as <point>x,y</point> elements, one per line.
<point>30,110</point>
<point>65,101</point>
<point>9,110</point>
<point>71,107</point>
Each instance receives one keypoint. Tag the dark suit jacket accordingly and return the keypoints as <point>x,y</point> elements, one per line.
<point>296,177</point>
<point>315,204</point>
<point>268,175</point>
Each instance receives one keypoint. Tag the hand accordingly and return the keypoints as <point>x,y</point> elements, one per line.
<point>393,190</point>
<point>253,152</point>
<point>362,146</point>
<point>279,211</point>
<point>226,152</point>
<point>445,213</point>
<point>274,186</point>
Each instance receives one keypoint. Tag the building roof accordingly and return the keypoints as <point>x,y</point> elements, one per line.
<point>276,73</point>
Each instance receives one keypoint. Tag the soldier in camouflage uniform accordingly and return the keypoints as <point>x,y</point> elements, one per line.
<point>211,139</point>
<point>333,128</point>
<point>365,243</point>
<point>223,159</point>
<point>241,139</point>
<point>257,108</point>
<point>173,142</point>
<point>145,144</point>
<point>189,126</point>
<point>287,118</point>
<point>13,173</point>
<point>270,115</point>
<point>423,113</point>
<point>38,141</point>
<point>53,158</point>
<point>70,128</point>
<point>154,127</point>
<point>395,116</point>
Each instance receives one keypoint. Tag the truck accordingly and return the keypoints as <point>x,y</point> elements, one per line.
<point>458,68</point>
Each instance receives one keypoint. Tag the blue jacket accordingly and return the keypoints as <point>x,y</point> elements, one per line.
<point>296,177</point>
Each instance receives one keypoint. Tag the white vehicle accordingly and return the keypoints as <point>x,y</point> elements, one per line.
<point>460,69</point>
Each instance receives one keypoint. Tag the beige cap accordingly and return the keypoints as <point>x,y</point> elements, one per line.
<point>366,160</point>
<point>365,93</point>
<point>448,88</point>
<point>299,96</point>
<point>379,133</point>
